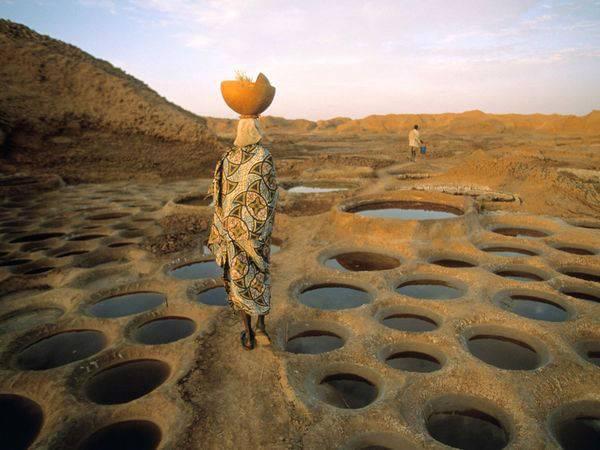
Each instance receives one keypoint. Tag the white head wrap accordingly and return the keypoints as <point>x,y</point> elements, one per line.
<point>248,132</point>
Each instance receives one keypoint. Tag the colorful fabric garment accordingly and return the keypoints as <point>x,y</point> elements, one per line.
<point>245,194</point>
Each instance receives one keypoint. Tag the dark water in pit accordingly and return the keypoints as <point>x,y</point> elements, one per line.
<point>518,275</point>
<point>192,271</point>
<point>120,244</point>
<point>509,252</point>
<point>13,262</point>
<point>214,297</point>
<point>406,211</point>
<point>534,308</point>
<point>38,270</point>
<point>452,263</point>
<point>410,322</point>
<point>128,435</point>
<point>37,237</point>
<point>346,391</point>
<point>196,200</point>
<point>413,362</point>
<point>314,342</point>
<point>575,250</point>
<point>126,304</point>
<point>582,296</point>
<point>73,253</point>
<point>60,349</point>
<point>87,237</point>
<point>127,381</point>
<point>520,232</point>
<point>21,420</point>
<point>334,297</point>
<point>107,216</point>
<point>362,261</point>
<point>580,433</point>
<point>584,276</point>
<point>428,289</point>
<point>467,429</point>
<point>503,352</point>
<point>163,331</point>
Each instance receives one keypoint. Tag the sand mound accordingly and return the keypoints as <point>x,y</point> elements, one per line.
<point>55,95</point>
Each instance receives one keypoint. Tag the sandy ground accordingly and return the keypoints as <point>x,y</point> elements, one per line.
<point>216,395</point>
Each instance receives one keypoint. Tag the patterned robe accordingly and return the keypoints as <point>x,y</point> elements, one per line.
<point>245,193</point>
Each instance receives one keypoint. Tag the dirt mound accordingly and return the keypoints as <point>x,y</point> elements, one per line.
<point>56,99</point>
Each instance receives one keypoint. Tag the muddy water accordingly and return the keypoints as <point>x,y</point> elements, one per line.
<point>519,275</point>
<point>20,421</point>
<point>193,271</point>
<point>334,297</point>
<point>347,391</point>
<point>128,435</point>
<point>582,296</point>
<point>575,250</point>
<point>314,342</point>
<point>127,381</point>
<point>467,429</point>
<point>503,352</point>
<point>534,308</point>
<point>126,304</point>
<point>165,330</point>
<point>410,322</point>
<point>61,349</point>
<point>405,211</point>
<point>213,297</point>
<point>413,362</point>
<point>362,261</point>
<point>587,276</point>
<point>509,252</point>
<point>428,289</point>
<point>452,263</point>
<point>580,433</point>
<point>520,232</point>
<point>37,237</point>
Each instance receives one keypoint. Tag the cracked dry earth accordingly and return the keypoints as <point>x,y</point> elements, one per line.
<point>401,319</point>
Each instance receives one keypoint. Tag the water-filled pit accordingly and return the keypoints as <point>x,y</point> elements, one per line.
<point>126,381</point>
<point>414,323</point>
<point>503,352</point>
<point>429,289</point>
<point>509,252</point>
<point>216,296</point>
<point>581,294</point>
<point>575,250</point>
<point>534,307</point>
<point>314,189</point>
<point>468,429</point>
<point>583,275</point>
<point>195,200</point>
<point>36,237</point>
<point>413,361</point>
<point>406,210</point>
<point>197,270</point>
<point>519,275</point>
<point>164,330</point>
<point>334,296</point>
<point>581,432</point>
<point>107,216</point>
<point>120,244</point>
<point>86,237</point>
<point>128,435</point>
<point>60,349</point>
<point>361,261</point>
<point>126,304</point>
<point>14,262</point>
<point>38,270</point>
<point>520,232</point>
<point>346,390</point>
<point>313,342</point>
<point>71,253</point>
<point>21,420</point>
<point>452,263</point>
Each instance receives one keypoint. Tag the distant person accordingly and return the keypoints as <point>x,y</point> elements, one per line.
<point>245,194</point>
<point>414,142</point>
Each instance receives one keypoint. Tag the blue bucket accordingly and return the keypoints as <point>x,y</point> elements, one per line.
<point>423,150</point>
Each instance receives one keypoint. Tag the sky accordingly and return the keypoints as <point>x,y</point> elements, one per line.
<point>331,58</point>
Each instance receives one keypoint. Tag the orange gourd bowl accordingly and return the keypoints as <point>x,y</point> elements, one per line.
<point>247,98</point>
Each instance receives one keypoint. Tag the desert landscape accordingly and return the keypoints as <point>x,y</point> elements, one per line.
<point>453,301</point>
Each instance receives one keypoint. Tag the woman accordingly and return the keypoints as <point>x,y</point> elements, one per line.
<point>245,194</point>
